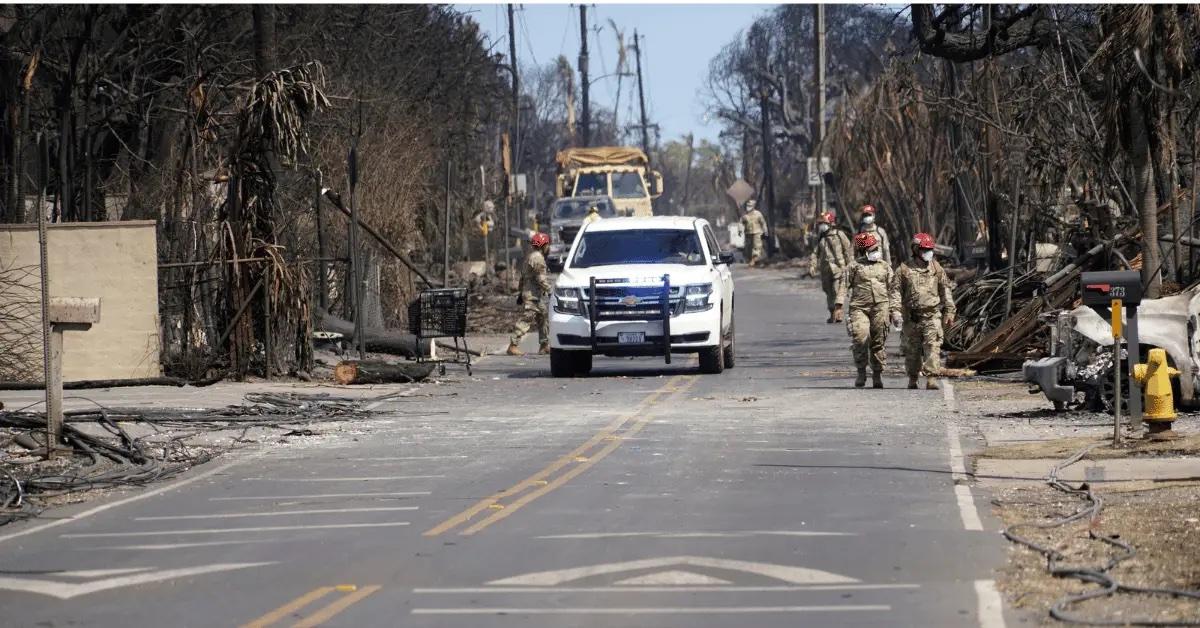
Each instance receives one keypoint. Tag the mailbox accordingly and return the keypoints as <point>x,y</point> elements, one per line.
<point>1100,288</point>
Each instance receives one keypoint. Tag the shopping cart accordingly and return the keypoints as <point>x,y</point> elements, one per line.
<point>441,313</point>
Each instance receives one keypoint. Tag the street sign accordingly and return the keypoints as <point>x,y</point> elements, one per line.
<point>815,172</point>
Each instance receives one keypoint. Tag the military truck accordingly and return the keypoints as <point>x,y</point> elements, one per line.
<point>621,173</point>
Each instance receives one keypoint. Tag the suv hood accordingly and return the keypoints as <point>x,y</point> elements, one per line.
<point>648,274</point>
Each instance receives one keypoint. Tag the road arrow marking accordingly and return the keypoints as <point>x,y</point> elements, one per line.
<point>672,577</point>
<point>791,575</point>
<point>68,590</point>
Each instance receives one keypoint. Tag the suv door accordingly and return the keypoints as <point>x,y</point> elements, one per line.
<point>723,275</point>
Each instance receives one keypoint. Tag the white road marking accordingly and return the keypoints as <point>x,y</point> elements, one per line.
<point>171,546</point>
<point>681,610</point>
<point>385,478</point>
<point>67,590</point>
<point>128,500</point>
<point>792,575</point>
<point>318,496</point>
<point>789,450</point>
<point>962,492</point>
<point>948,395</point>
<point>990,605</point>
<point>332,526</point>
<point>665,589</point>
<point>99,573</point>
<point>672,578</point>
<point>278,513</point>
<point>690,535</point>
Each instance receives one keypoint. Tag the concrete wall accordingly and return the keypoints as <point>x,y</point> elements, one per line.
<point>116,261</point>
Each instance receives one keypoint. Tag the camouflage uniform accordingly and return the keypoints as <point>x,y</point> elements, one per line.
<point>867,286</point>
<point>831,258</point>
<point>882,236</point>
<point>534,288</point>
<point>755,229</point>
<point>926,295</point>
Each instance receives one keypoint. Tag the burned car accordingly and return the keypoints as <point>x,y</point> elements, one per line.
<point>1078,367</point>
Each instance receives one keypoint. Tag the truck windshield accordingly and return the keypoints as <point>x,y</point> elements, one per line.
<point>592,184</point>
<point>642,246</point>
<point>628,185</point>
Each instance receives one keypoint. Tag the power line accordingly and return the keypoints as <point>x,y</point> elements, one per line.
<point>525,33</point>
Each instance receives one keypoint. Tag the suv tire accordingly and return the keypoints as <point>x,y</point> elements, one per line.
<point>562,363</point>
<point>729,359</point>
<point>712,359</point>
<point>582,362</point>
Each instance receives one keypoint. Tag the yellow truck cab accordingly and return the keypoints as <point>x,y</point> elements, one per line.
<point>620,172</point>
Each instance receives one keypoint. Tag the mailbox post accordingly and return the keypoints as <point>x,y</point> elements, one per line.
<point>65,314</point>
<point>1103,290</point>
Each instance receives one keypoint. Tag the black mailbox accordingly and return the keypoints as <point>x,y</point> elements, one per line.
<point>1100,288</point>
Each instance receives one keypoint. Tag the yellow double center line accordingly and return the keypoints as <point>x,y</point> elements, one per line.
<point>506,502</point>
<point>354,594</point>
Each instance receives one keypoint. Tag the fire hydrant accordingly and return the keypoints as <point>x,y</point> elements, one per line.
<point>1159,402</point>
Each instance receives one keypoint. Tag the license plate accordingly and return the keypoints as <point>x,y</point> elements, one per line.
<point>631,337</point>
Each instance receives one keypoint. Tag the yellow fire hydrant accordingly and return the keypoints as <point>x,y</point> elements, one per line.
<point>1158,401</point>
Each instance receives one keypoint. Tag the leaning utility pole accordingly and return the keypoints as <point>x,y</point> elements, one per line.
<point>819,103</point>
<point>583,76</point>
<point>637,51</point>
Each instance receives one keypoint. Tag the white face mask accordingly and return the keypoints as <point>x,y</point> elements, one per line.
<point>868,219</point>
<point>822,228</point>
<point>874,256</point>
<point>927,256</point>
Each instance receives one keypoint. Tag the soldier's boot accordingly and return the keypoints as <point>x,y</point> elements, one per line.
<point>544,348</point>
<point>830,319</point>
<point>877,379</point>
<point>861,380</point>
<point>514,350</point>
<point>931,383</point>
<point>912,382</point>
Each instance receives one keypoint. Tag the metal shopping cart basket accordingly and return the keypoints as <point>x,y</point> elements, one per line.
<point>441,313</point>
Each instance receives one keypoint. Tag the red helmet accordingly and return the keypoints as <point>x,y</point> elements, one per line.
<point>827,218</point>
<point>923,241</point>
<point>868,210</point>
<point>539,239</point>
<point>865,241</point>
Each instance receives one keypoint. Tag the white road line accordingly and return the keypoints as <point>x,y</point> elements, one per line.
<point>962,492</point>
<point>785,573</point>
<point>991,607</point>
<point>681,610</point>
<point>732,534</point>
<point>171,546</point>
<point>97,573</point>
<point>66,590</point>
<point>332,526</point>
<point>669,589</point>
<point>948,395</point>
<point>278,513</point>
<point>385,478</point>
<point>318,496</point>
<point>128,500</point>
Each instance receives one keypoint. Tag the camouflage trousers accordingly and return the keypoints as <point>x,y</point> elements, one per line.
<point>754,247</point>
<point>921,341</point>
<point>829,283</point>
<point>868,330</point>
<point>532,312</point>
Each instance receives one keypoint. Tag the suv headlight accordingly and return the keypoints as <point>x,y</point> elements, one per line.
<point>696,297</point>
<point>567,301</point>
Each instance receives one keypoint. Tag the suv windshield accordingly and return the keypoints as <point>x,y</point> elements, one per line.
<point>567,209</point>
<point>627,185</point>
<point>642,246</point>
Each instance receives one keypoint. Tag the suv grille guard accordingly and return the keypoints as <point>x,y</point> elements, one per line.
<point>665,309</point>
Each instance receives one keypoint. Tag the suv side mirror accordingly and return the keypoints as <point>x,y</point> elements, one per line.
<point>725,257</point>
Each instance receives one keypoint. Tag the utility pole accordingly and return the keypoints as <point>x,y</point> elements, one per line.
<point>583,76</point>
<point>446,228</point>
<point>637,51</point>
<point>516,93</point>
<point>687,176</point>
<point>357,277</point>
<point>819,102</point>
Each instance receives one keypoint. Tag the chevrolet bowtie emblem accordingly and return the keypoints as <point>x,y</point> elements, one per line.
<point>629,301</point>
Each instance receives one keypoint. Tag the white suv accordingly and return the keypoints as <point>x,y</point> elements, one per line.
<point>643,287</point>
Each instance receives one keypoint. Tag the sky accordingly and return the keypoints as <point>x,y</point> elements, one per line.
<point>679,42</point>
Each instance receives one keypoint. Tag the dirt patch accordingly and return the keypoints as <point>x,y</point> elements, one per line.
<point>1162,524</point>
<point>1061,448</point>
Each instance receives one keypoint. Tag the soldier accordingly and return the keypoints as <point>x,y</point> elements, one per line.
<point>832,255</point>
<point>867,284</point>
<point>533,290</point>
<point>867,225</point>
<point>926,297</point>
<point>755,230</point>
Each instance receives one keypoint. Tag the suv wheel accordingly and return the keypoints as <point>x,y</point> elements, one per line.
<point>562,363</point>
<point>729,359</point>
<point>582,362</point>
<point>712,359</point>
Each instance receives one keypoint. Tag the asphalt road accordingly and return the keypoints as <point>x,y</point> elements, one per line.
<point>772,495</point>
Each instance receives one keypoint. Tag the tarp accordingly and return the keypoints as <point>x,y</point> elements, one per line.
<point>601,156</point>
